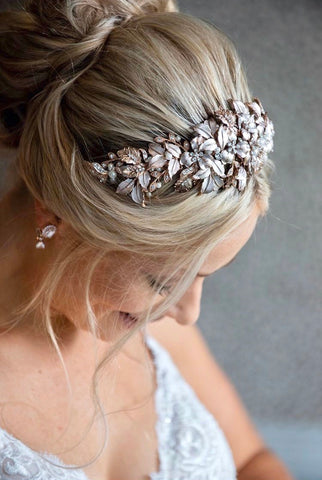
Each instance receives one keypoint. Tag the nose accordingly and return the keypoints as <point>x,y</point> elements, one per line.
<point>187,310</point>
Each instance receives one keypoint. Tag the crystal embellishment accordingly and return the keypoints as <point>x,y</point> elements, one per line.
<point>224,151</point>
<point>49,231</point>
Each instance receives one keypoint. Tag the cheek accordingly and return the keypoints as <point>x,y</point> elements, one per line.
<point>121,291</point>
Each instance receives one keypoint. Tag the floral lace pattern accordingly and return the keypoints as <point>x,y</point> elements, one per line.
<point>19,462</point>
<point>191,444</point>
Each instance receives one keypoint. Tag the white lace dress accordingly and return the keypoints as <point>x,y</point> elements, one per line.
<point>191,444</point>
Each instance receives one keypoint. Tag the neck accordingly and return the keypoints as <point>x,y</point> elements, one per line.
<point>18,261</point>
<point>22,268</point>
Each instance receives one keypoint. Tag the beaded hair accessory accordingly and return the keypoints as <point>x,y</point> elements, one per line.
<point>225,150</point>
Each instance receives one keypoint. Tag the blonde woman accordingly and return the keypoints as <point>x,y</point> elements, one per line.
<point>141,167</point>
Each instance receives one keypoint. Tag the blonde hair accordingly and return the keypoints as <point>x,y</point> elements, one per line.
<point>80,79</point>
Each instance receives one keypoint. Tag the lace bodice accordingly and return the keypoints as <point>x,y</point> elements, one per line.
<point>191,444</point>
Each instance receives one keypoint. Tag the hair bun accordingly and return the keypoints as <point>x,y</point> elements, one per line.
<point>49,40</point>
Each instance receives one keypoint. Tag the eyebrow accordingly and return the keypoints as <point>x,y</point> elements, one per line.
<point>208,274</point>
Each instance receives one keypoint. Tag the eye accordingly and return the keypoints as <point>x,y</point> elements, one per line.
<point>165,290</point>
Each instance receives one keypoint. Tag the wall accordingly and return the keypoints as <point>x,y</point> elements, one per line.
<point>262,316</point>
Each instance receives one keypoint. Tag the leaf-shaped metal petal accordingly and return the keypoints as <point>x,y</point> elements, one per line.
<point>256,108</point>
<point>203,129</point>
<point>219,168</point>
<point>257,100</point>
<point>185,159</point>
<point>218,181</point>
<point>227,157</point>
<point>213,125</point>
<point>209,145</point>
<point>240,107</point>
<point>173,167</point>
<point>98,168</point>
<point>126,186</point>
<point>168,155</point>
<point>202,173</point>
<point>208,185</point>
<point>160,139</point>
<point>232,135</point>
<point>241,177</point>
<point>230,172</point>
<point>242,149</point>
<point>129,171</point>
<point>136,194</point>
<point>129,155</point>
<point>223,137</point>
<point>49,231</point>
<point>260,129</point>
<point>157,161</point>
<point>195,142</point>
<point>173,149</point>
<point>155,149</point>
<point>144,153</point>
<point>207,159</point>
<point>144,179</point>
<point>269,130</point>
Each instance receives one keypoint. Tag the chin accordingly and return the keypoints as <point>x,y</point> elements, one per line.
<point>189,323</point>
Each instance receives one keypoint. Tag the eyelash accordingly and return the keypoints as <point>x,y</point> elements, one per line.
<point>164,290</point>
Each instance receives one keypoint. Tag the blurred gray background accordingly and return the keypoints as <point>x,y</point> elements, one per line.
<point>262,316</point>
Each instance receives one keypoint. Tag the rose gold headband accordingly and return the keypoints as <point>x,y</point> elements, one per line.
<point>227,148</point>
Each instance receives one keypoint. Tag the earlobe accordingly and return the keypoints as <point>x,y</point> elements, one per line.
<point>43,215</point>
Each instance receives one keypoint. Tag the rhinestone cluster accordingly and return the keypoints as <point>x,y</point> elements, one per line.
<point>225,150</point>
<point>46,232</point>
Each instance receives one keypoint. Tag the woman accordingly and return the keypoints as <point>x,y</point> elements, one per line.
<point>141,167</point>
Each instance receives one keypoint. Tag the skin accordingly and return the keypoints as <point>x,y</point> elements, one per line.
<point>23,264</point>
<point>187,310</point>
<point>32,382</point>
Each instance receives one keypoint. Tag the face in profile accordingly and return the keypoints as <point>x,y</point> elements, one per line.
<point>130,285</point>
<point>187,310</point>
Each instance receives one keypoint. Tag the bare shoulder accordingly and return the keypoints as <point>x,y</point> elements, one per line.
<point>192,355</point>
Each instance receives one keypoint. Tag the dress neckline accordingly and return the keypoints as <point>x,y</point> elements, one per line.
<point>54,460</point>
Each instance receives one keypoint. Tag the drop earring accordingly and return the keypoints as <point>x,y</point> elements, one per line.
<point>47,232</point>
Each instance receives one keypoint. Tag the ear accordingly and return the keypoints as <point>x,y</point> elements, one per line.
<point>43,216</point>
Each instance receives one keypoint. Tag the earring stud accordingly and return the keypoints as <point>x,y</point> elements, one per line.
<point>47,232</point>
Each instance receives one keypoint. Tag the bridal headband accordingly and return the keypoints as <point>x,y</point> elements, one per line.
<point>223,151</point>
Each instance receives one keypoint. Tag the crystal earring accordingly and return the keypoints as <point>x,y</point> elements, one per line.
<point>46,232</point>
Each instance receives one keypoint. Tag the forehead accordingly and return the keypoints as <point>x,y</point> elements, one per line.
<point>218,257</point>
<point>230,246</point>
